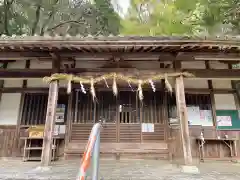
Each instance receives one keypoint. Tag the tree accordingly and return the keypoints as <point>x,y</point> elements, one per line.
<point>194,17</point>
<point>153,17</point>
<point>56,16</point>
<point>223,13</point>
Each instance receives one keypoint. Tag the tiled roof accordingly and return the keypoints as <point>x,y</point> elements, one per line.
<point>166,43</point>
<point>119,38</point>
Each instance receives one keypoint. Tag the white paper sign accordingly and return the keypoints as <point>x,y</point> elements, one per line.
<point>147,127</point>
<point>62,129</point>
<point>60,113</point>
<point>224,121</point>
<point>56,130</point>
<point>194,115</point>
<point>206,118</point>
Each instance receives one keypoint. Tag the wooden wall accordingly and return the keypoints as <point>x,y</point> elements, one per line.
<point>212,150</point>
<point>7,140</point>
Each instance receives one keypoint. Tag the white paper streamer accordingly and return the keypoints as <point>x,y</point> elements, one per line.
<point>105,82</point>
<point>82,88</point>
<point>140,92</point>
<point>115,91</point>
<point>69,85</point>
<point>130,86</point>
<point>93,89</point>
<point>168,85</point>
<point>152,85</point>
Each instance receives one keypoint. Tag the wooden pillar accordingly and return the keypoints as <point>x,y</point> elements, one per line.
<point>69,120</point>
<point>20,112</point>
<point>49,124</point>
<point>50,115</point>
<point>183,118</point>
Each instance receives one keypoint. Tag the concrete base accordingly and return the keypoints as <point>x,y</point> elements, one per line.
<point>235,161</point>
<point>41,169</point>
<point>190,169</point>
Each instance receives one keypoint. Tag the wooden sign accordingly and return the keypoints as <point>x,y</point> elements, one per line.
<point>36,134</point>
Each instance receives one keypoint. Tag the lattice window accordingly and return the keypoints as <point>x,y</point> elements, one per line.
<point>34,109</point>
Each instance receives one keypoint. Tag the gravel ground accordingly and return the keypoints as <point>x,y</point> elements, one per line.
<point>119,170</point>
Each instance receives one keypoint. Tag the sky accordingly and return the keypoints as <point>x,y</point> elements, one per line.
<point>124,4</point>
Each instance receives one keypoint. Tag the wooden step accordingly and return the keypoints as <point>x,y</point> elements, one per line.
<point>128,150</point>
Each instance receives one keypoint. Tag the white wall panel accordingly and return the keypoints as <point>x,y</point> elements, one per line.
<point>9,108</point>
<point>218,65</point>
<point>193,65</point>
<point>13,82</point>
<point>19,64</point>
<point>225,101</point>
<point>36,83</point>
<point>36,64</point>
<point>195,83</point>
<point>222,84</point>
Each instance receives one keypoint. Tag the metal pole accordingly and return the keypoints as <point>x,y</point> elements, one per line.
<point>95,160</point>
<point>93,143</point>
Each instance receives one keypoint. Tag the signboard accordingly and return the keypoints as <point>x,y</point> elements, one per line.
<point>60,113</point>
<point>199,117</point>
<point>147,127</point>
<point>224,121</point>
<point>236,66</point>
<point>59,129</point>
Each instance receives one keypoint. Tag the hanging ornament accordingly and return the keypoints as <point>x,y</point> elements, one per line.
<point>168,85</point>
<point>69,85</point>
<point>92,89</point>
<point>82,88</point>
<point>152,85</point>
<point>115,91</point>
<point>105,82</point>
<point>130,86</point>
<point>140,92</point>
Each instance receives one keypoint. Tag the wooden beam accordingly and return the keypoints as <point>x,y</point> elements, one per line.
<point>103,88</point>
<point>183,118</point>
<point>214,73</point>
<point>233,74</point>
<point>133,56</point>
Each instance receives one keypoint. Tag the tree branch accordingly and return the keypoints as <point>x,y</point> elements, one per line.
<point>64,23</point>
<point>52,13</point>
<point>38,11</point>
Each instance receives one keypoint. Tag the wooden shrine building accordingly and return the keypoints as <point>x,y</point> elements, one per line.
<point>157,94</point>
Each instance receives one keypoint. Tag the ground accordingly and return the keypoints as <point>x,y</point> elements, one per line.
<point>119,170</point>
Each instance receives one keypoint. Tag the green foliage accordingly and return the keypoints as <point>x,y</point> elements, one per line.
<point>193,17</point>
<point>58,16</point>
<point>98,17</point>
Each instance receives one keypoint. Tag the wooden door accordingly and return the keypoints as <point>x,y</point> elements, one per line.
<point>86,112</point>
<point>128,121</point>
